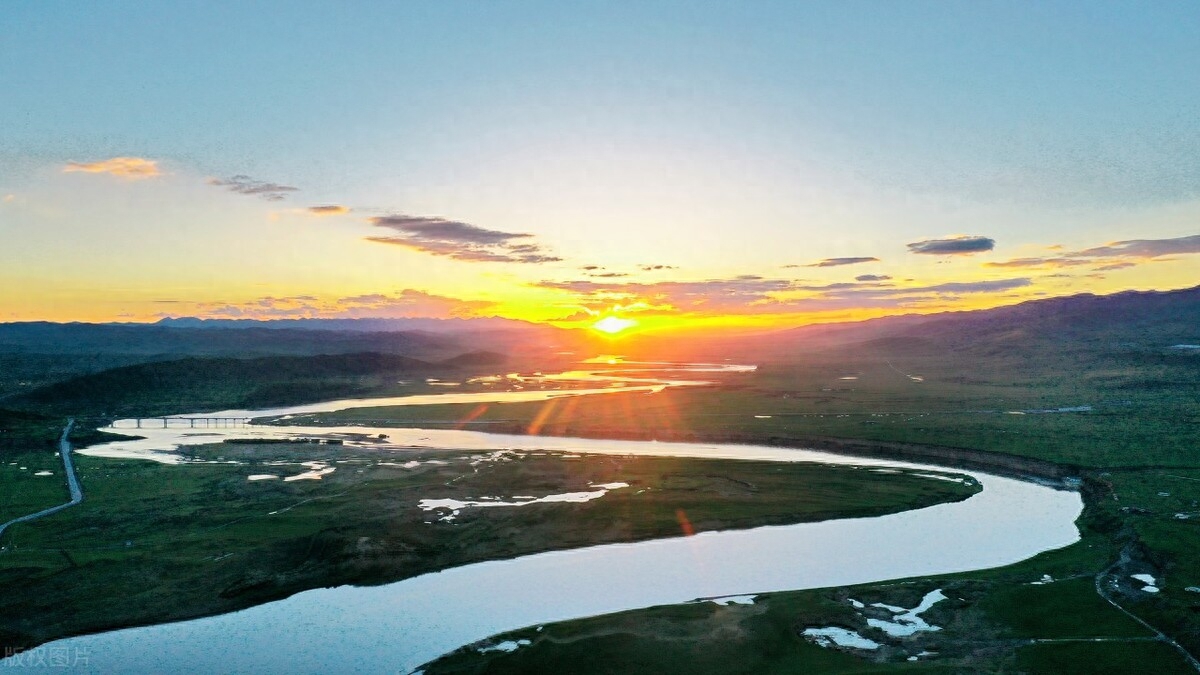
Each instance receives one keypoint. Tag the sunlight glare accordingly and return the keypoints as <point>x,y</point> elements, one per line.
<point>613,324</point>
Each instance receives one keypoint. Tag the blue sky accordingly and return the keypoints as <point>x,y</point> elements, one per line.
<point>708,136</point>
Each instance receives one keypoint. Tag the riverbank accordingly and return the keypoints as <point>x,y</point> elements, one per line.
<point>1025,468</point>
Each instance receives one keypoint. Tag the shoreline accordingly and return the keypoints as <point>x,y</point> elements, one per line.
<point>1053,474</point>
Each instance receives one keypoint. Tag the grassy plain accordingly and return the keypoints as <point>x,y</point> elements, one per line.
<point>180,541</point>
<point>1102,395</point>
<point>981,406</point>
<point>1128,424</point>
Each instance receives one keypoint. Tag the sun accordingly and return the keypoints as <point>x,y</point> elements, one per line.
<point>613,324</point>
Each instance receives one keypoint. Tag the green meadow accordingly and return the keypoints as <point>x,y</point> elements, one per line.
<point>188,540</point>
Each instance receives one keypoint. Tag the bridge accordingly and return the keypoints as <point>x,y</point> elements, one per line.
<point>194,422</point>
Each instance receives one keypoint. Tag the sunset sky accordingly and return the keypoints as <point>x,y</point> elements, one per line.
<point>668,163</point>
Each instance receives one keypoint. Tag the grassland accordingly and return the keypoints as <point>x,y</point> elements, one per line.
<point>980,406</point>
<point>705,638</point>
<point>1091,387</point>
<point>1126,423</point>
<point>154,543</point>
<point>997,621</point>
<point>29,446</point>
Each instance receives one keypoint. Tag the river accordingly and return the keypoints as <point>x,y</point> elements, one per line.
<point>399,626</point>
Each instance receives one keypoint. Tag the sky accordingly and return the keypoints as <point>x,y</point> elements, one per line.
<point>673,165</point>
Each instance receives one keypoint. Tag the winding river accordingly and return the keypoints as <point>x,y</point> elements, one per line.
<point>399,626</point>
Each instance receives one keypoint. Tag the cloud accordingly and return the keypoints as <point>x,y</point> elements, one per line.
<point>408,303</point>
<point>1124,264</point>
<point>458,240</point>
<point>328,210</point>
<point>1143,248</point>
<point>245,185</point>
<point>750,294</point>
<point>683,295</point>
<point>872,277</point>
<point>1112,256</point>
<point>655,268</point>
<point>960,245</point>
<point>581,315</point>
<point>609,275</point>
<point>1039,262</point>
<point>133,168</point>
<point>975,286</point>
<point>880,295</point>
<point>838,262</point>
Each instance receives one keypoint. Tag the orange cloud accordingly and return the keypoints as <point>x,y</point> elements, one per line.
<point>328,210</point>
<point>134,168</point>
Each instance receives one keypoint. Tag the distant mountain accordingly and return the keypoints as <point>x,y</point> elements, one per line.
<point>153,340</point>
<point>476,360</point>
<point>1149,320</point>
<point>1130,320</point>
<point>34,354</point>
<point>214,383</point>
<point>512,336</point>
<point>471,325</point>
<point>431,339</point>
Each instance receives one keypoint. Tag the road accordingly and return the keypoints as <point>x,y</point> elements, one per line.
<point>1103,577</point>
<point>64,449</point>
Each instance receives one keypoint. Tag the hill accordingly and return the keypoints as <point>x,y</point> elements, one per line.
<point>1131,321</point>
<point>191,384</point>
<point>36,354</point>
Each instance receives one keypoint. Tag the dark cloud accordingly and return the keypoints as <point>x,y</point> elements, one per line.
<point>458,240</point>
<point>440,229</point>
<point>838,262</point>
<point>655,268</point>
<point>609,275</point>
<point>872,277</point>
<point>961,245</point>
<point>245,185</point>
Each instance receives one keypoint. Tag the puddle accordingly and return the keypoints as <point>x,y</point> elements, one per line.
<point>833,636</point>
<point>1149,582</point>
<point>907,621</point>
<point>456,505</point>
<point>316,471</point>
<point>507,646</point>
